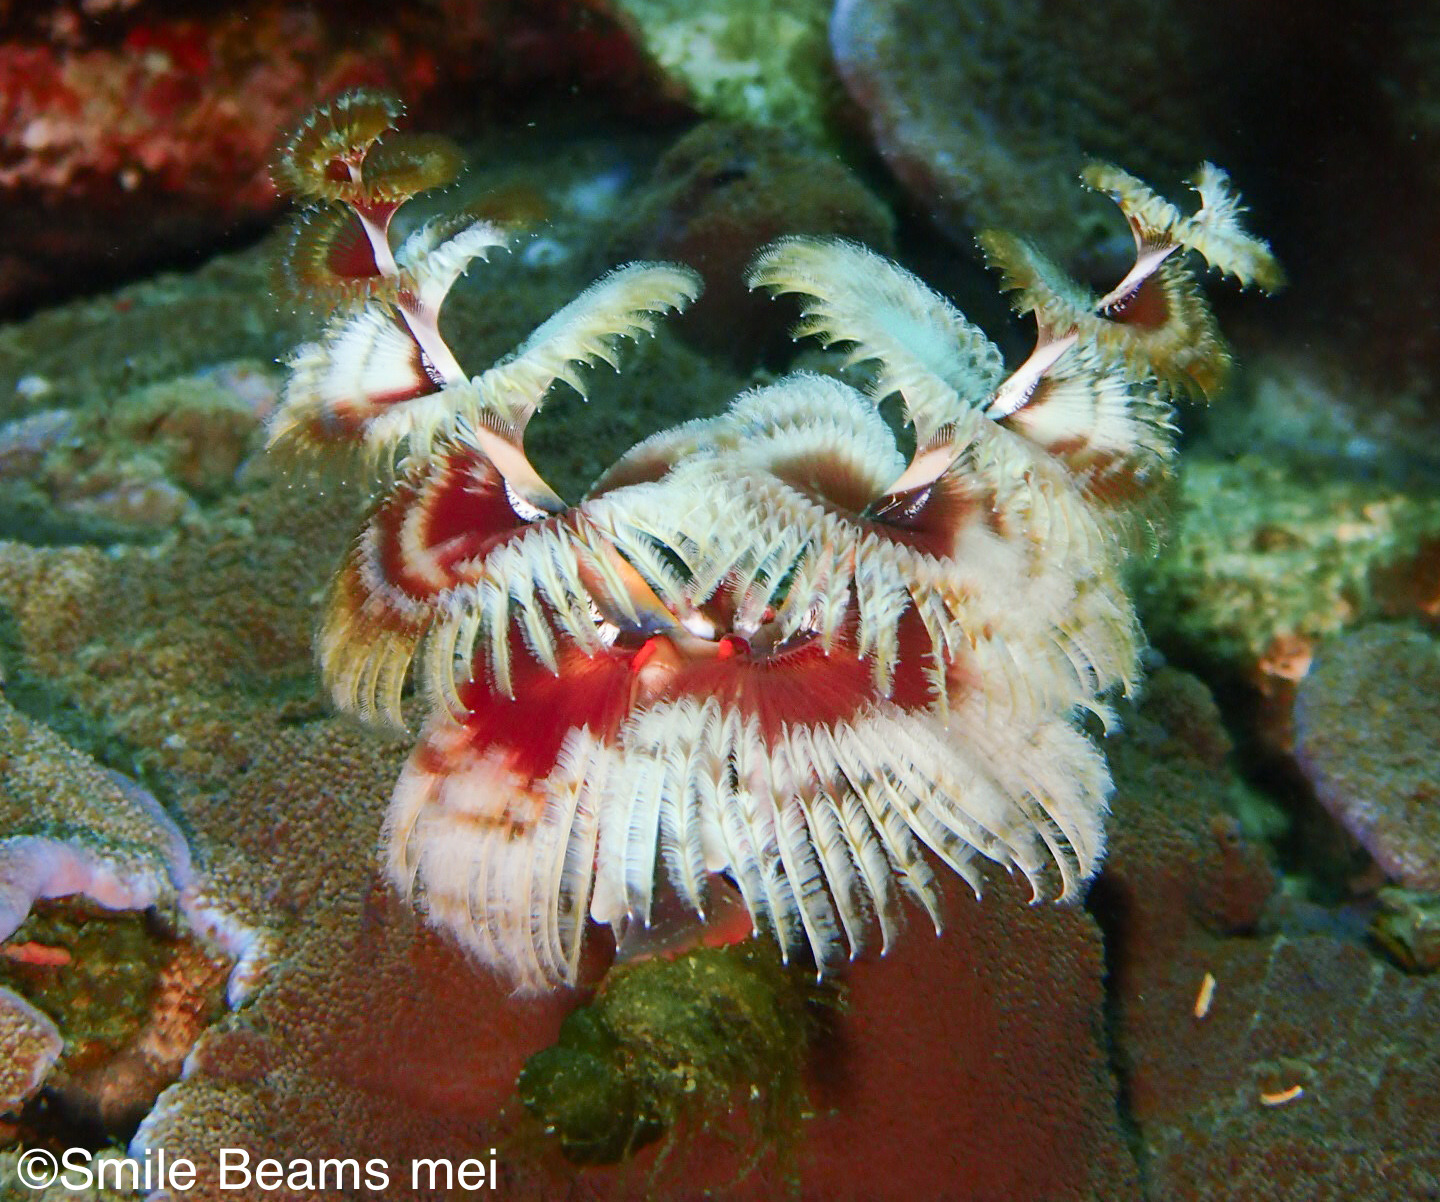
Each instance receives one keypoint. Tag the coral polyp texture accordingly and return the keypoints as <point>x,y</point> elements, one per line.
<point>769,653</point>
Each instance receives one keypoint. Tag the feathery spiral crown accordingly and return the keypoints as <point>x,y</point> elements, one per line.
<point>768,652</point>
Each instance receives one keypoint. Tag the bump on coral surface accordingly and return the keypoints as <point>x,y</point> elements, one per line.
<point>1014,1056</point>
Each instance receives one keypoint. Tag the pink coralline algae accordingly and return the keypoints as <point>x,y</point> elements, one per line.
<point>1367,729</point>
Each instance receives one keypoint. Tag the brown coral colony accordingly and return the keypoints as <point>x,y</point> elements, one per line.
<point>769,648</point>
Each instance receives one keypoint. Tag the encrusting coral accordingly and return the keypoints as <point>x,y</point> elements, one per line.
<point>31,1042</point>
<point>767,650</point>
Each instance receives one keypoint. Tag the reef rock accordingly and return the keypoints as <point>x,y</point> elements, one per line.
<point>358,1032</point>
<point>1367,733</point>
<point>987,109</point>
<point>1222,1007</point>
<point>1217,1102</point>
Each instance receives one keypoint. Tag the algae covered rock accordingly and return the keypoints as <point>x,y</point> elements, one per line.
<point>749,60</point>
<point>1267,558</point>
<point>714,1034</point>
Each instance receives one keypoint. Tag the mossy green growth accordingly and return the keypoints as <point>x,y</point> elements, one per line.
<point>715,1040</point>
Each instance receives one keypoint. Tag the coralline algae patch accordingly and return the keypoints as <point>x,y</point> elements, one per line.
<point>70,826</point>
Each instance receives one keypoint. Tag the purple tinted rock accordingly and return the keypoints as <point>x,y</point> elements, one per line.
<point>1367,734</point>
